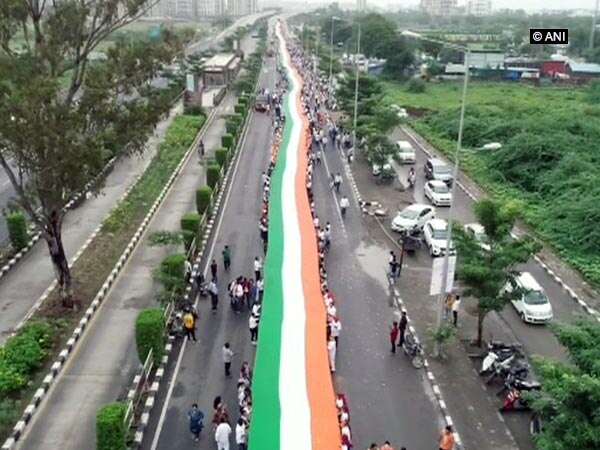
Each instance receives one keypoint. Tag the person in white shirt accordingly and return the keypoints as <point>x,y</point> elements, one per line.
<point>241,434</point>
<point>336,328</point>
<point>331,350</point>
<point>344,204</point>
<point>455,309</point>
<point>227,358</point>
<point>316,221</point>
<point>222,434</point>
<point>253,325</point>
<point>257,268</point>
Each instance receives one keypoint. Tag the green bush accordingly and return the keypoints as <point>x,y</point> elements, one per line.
<point>9,413</point>
<point>203,199</point>
<point>190,227</point>
<point>23,353</point>
<point>231,126</point>
<point>240,109</point>
<point>416,86</point>
<point>193,110</point>
<point>243,100</point>
<point>111,433</point>
<point>221,156</point>
<point>239,118</point>
<point>171,273</point>
<point>212,175</point>
<point>150,334</point>
<point>38,331</point>
<point>17,229</point>
<point>227,140</point>
<point>11,380</point>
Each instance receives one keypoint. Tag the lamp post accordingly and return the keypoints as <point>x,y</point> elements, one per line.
<point>356,92</point>
<point>446,264</point>
<point>333,19</point>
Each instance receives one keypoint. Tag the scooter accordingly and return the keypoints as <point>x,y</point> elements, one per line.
<point>498,351</point>
<point>519,369</point>
<point>414,351</point>
<point>515,400</point>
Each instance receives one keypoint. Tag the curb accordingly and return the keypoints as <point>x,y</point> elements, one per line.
<point>215,211</point>
<point>430,377</point>
<point>70,205</point>
<point>63,356</point>
<point>581,302</point>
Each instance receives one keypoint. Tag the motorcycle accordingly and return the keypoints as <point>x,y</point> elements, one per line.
<point>175,325</point>
<point>515,400</point>
<point>414,351</point>
<point>498,351</point>
<point>202,286</point>
<point>518,368</point>
<point>411,241</point>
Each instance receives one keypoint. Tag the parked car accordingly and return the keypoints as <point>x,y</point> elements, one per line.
<point>477,231</point>
<point>438,193</point>
<point>435,234</point>
<point>261,103</point>
<point>400,112</point>
<point>411,217</point>
<point>406,152</point>
<point>532,305</point>
<point>436,169</point>
<point>376,169</point>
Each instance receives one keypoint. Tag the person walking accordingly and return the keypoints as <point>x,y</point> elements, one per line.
<point>257,268</point>
<point>195,417</point>
<point>226,258</point>
<point>455,309</point>
<point>201,149</point>
<point>402,328</point>
<point>337,182</point>
<point>336,328</point>
<point>213,270</point>
<point>448,302</point>
<point>189,325</point>
<point>241,434</point>
<point>227,358</point>
<point>260,287</point>
<point>331,350</point>
<point>222,434</point>
<point>318,157</point>
<point>394,335</point>
<point>447,439</point>
<point>188,270</point>
<point>213,290</point>
<point>253,325</point>
<point>344,204</point>
<point>387,446</point>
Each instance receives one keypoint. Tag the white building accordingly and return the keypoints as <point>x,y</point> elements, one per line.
<point>439,7</point>
<point>479,7</point>
<point>361,5</point>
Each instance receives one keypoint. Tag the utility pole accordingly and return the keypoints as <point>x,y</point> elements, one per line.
<point>356,91</point>
<point>594,20</point>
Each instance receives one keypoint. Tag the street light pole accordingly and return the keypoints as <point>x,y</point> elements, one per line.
<point>440,318</point>
<point>356,92</point>
<point>331,52</point>
<point>594,19</point>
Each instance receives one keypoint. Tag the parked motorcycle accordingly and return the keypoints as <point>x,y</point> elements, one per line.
<point>498,351</point>
<point>518,368</point>
<point>414,351</point>
<point>411,241</point>
<point>515,400</point>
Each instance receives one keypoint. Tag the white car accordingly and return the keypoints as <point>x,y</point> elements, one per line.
<point>491,146</point>
<point>477,232</point>
<point>400,112</point>
<point>413,216</point>
<point>406,152</point>
<point>376,168</point>
<point>435,234</point>
<point>438,193</point>
<point>533,305</point>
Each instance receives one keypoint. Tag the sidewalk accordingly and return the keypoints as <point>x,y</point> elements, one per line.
<point>106,360</point>
<point>21,288</point>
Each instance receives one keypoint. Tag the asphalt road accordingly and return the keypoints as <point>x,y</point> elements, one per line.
<point>105,360</point>
<point>200,373</point>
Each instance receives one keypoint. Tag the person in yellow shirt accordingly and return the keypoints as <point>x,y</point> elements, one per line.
<point>447,439</point>
<point>189,325</point>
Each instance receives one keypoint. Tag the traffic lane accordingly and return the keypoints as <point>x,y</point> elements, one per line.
<point>389,399</point>
<point>535,339</point>
<point>201,376</point>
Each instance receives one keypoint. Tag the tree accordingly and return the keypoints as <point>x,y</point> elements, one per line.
<point>485,271</point>
<point>61,137</point>
<point>569,401</point>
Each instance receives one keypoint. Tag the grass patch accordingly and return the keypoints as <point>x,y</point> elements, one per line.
<point>550,159</point>
<point>95,264</point>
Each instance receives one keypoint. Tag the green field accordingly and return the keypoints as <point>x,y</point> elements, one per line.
<point>550,158</point>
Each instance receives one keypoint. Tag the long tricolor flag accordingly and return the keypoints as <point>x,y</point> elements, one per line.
<point>292,389</point>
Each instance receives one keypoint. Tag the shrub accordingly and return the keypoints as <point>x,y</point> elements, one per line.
<point>231,127</point>
<point>212,175</point>
<point>416,86</point>
<point>240,109</point>
<point>221,156</point>
<point>23,353</point>
<point>193,110</point>
<point>40,332</point>
<point>170,274</point>
<point>239,118</point>
<point>9,413</point>
<point>17,229</point>
<point>203,199</point>
<point>111,433</point>
<point>190,226</point>
<point>150,334</point>
<point>10,379</point>
<point>227,140</point>
<point>243,100</point>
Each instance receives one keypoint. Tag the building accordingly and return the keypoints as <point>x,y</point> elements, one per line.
<point>220,70</point>
<point>361,5</point>
<point>439,7</point>
<point>582,71</point>
<point>479,7</point>
<point>481,59</point>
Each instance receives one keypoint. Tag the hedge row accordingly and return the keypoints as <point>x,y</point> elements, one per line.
<point>21,355</point>
<point>149,334</point>
<point>111,432</point>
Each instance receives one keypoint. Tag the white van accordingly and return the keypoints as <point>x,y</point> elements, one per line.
<point>406,152</point>
<point>533,305</point>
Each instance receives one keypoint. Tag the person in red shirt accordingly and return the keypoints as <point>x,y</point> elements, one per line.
<point>447,439</point>
<point>394,336</point>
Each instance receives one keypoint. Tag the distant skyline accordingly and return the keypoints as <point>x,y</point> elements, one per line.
<point>527,5</point>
